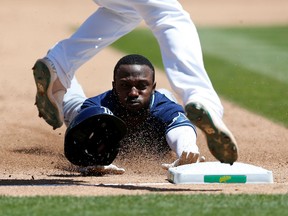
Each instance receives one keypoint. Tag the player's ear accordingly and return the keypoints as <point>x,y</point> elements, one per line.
<point>154,86</point>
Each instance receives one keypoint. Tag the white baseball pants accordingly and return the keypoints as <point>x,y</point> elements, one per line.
<point>170,24</point>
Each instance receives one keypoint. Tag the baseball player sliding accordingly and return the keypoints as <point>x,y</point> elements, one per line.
<point>182,58</point>
<point>96,132</point>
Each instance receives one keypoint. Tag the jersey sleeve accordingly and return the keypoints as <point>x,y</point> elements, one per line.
<point>169,112</point>
<point>102,100</point>
<point>94,101</point>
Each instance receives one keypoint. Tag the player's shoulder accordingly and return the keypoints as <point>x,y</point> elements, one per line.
<point>102,95</point>
<point>160,99</point>
<point>99,99</point>
<point>162,103</point>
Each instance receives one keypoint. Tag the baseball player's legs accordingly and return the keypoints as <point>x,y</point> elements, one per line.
<point>100,30</point>
<point>181,50</point>
<point>182,57</point>
<point>180,47</point>
<point>73,100</point>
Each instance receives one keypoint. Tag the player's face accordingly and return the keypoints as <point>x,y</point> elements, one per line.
<point>134,86</point>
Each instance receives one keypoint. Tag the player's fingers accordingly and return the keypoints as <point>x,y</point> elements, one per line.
<point>166,166</point>
<point>188,158</point>
<point>202,159</point>
<point>113,169</point>
<point>182,158</point>
<point>192,158</point>
<point>185,158</point>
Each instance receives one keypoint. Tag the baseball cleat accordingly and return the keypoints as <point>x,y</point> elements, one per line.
<point>101,170</point>
<point>221,141</point>
<point>48,101</point>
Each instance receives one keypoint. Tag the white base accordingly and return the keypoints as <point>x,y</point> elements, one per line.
<point>216,172</point>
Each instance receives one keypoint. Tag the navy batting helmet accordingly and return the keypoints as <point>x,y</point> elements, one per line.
<point>93,137</point>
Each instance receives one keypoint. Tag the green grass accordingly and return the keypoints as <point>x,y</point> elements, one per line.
<point>246,65</point>
<point>141,41</point>
<point>147,205</point>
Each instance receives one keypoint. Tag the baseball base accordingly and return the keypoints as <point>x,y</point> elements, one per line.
<point>216,172</point>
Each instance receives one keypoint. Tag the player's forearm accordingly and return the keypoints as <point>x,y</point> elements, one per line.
<point>181,139</point>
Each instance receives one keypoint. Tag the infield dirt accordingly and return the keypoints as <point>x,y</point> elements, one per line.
<point>32,161</point>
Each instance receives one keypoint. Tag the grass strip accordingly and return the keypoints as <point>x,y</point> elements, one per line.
<point>146,205</point>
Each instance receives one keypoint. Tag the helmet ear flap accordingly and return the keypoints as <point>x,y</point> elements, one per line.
<point>93,137</point>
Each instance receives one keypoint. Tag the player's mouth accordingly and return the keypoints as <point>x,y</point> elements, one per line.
<point>133,104</point>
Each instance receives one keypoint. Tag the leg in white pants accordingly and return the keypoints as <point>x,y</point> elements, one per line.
<point>181,51</point>
<point>171,25</point>
<point>100,30</point>
<point>73,100</point>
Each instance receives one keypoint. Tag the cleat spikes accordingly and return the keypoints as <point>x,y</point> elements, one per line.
<point>220,140</point>
<point>227,139</point>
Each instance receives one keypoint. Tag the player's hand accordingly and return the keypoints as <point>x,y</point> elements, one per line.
<point>185,158</point>
<point>102,170</point>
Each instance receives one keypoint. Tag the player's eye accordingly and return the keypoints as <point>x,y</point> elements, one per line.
<point>142,86</point>
<point>125,85</point>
